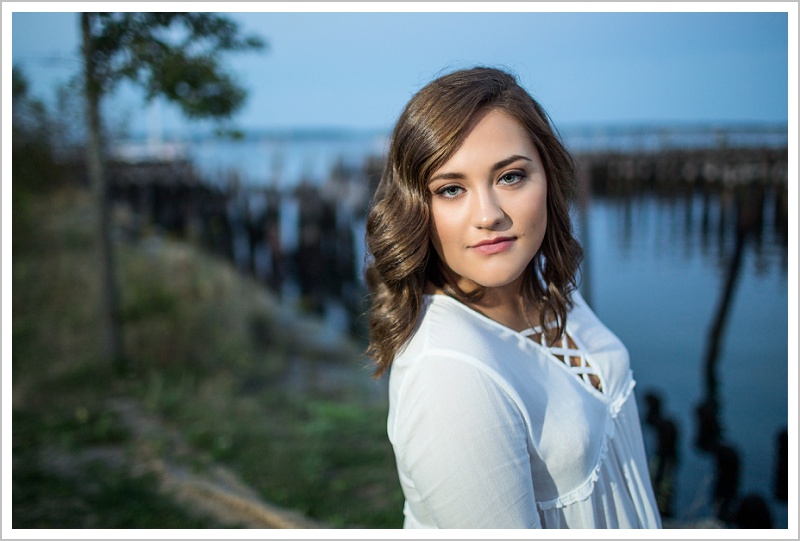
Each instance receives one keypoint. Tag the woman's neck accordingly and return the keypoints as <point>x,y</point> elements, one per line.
<point>504,305</point>
<point>507,308</point>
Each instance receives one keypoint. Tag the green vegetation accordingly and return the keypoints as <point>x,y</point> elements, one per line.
<point>59,483</point>
<point>223,387</point>
<point>231,380</point>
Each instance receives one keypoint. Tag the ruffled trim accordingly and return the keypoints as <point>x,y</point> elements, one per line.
<point>627,389</point>
<point>585,490</point>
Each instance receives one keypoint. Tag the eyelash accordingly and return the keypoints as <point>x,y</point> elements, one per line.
<point>441,192</point>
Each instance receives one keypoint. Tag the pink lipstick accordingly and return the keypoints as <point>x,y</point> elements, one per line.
<point>495,245</point>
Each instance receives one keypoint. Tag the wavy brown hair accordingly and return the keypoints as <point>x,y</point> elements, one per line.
<point>430,129</point>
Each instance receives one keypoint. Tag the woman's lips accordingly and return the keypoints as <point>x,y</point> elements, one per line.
<point>494,246</point>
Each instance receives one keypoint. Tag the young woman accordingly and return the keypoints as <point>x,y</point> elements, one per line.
<point>511,404</point>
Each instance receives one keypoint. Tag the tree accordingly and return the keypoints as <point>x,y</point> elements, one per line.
<point>174,55</point>
<point>32,164</point>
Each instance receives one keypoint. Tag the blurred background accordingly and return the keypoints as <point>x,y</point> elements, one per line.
<point>188,300</point>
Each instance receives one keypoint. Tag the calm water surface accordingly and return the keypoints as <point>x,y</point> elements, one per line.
<point>656,278</point>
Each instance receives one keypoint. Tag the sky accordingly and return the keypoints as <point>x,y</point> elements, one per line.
<point>358,69</point>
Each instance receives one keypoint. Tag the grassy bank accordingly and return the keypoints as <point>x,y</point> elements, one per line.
<point>228,378</point>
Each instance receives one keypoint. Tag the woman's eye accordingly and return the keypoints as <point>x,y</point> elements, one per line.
<point>511,178</point>
<point>449,191</point>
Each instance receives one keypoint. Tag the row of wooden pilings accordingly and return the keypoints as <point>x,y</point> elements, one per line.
<point>628,172</point>
<point>729,181</point>
<point>305,241</point>
<point>318,250</point>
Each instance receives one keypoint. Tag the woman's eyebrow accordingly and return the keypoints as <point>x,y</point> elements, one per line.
<point>499,165</point>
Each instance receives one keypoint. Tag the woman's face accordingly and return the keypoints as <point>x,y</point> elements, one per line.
<point>488,204</point>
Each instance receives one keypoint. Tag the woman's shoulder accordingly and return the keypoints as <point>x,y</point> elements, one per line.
<point>449,329</point>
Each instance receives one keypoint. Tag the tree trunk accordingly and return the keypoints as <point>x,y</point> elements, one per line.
<point>109,297</point>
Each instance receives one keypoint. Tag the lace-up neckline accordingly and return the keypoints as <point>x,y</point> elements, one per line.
<point>568,352</point>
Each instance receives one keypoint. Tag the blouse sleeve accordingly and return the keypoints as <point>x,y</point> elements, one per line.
<point>461,440</point>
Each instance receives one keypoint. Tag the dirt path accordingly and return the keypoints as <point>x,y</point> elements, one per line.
<point>211,490</point>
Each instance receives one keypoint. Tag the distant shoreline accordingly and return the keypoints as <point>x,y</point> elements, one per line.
<point>577,137</point>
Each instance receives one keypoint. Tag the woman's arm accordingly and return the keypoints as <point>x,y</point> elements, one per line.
<point>462,440</point>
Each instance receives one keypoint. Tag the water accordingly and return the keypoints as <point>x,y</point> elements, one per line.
<point>654,274</point>
<point>656,279</point>
<point>284,160</point>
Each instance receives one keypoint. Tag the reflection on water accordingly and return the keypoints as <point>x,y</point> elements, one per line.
<point>658,274</point>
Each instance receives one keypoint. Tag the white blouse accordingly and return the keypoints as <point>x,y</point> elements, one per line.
<point>491,430</point>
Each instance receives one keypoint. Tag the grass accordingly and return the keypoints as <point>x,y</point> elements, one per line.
<point>59,483</point>
<point>214,360</point>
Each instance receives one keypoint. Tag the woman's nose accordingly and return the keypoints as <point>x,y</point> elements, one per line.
<point>488,212</point>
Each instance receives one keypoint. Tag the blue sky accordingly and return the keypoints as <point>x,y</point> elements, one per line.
<point>357,70</point>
